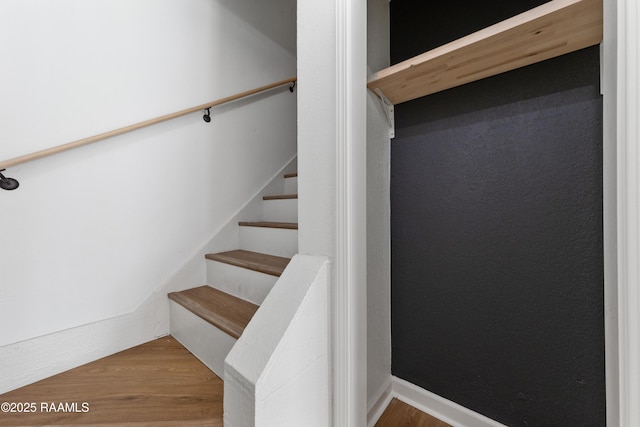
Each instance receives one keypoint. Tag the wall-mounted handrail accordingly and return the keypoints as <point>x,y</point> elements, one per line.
<point>85,141</point>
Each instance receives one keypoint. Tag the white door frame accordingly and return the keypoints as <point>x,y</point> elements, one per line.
<point>350,309</point>
<point>332,46</point>
<point>628,209</point>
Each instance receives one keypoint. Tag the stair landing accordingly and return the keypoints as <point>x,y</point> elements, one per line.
<point>155,384</point>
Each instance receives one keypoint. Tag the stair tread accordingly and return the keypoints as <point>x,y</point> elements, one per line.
<point>280,197</point>
<point>270,224</point>
<point>264,263</point>
<point>291,175</point>
<point>224,311</point>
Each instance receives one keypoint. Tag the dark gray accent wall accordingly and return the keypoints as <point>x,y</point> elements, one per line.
<point>497,247</point>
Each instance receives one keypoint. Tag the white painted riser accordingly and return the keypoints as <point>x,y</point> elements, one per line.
<point>291,185</point>
<point>205,341</point>
<point>272,241</point>
<point>283,210</point>
<point>208,343</point>
<point>243,283</point>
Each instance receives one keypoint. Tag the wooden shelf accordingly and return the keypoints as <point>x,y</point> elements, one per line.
<point>547,31</point>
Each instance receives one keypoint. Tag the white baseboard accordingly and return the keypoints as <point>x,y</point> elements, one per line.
<point>38,358</point>
<point>379,402</point>
<point>439,407</point>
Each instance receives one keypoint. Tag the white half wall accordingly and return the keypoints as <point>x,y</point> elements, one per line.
<point>277,374</point>
<point>91,234</point>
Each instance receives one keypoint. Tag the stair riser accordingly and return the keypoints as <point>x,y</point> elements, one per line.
<point>285,210</point>
<point>247,284</point>
<point>291,185</point>
<point>205,341</point>
<point>272,241</point>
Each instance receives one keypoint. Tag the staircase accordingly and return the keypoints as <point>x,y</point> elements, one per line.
<point>206,321</point>
<point>209,319</point>
<point>283,355</point>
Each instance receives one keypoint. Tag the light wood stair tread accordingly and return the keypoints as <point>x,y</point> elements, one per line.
<point>280,197</point>
<point>270,224</point>
<point>552,29</point>
<point>224,311</point>
<point>291,175</point>
<point>264,263</point>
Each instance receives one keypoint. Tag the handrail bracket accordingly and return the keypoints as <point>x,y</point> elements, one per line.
<point>8,183</point>
<point>207,115</point>
<point>388,109</point>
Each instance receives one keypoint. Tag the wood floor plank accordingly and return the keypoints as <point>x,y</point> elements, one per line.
<point>399,414</point>
<point>291,175</point>
<point>280,197</point>
<point>156,384</point>
<point>270,224</point>
<point>224,311</point>
<point>264,263</point>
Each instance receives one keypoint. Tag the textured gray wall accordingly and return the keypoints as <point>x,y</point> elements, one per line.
<point>497,259</point>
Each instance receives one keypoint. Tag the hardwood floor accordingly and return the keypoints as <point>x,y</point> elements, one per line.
<point>156,384</point>
<point>399,414</point>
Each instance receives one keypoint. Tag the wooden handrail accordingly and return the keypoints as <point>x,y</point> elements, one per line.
<point>85,141</point>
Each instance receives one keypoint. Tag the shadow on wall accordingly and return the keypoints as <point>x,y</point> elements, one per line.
<point>262,15</point>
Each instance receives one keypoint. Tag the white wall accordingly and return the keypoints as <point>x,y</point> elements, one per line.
<point>316,128</point>
<point>91,234</point>
<point>608,81</point>
<point>378,213</point>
